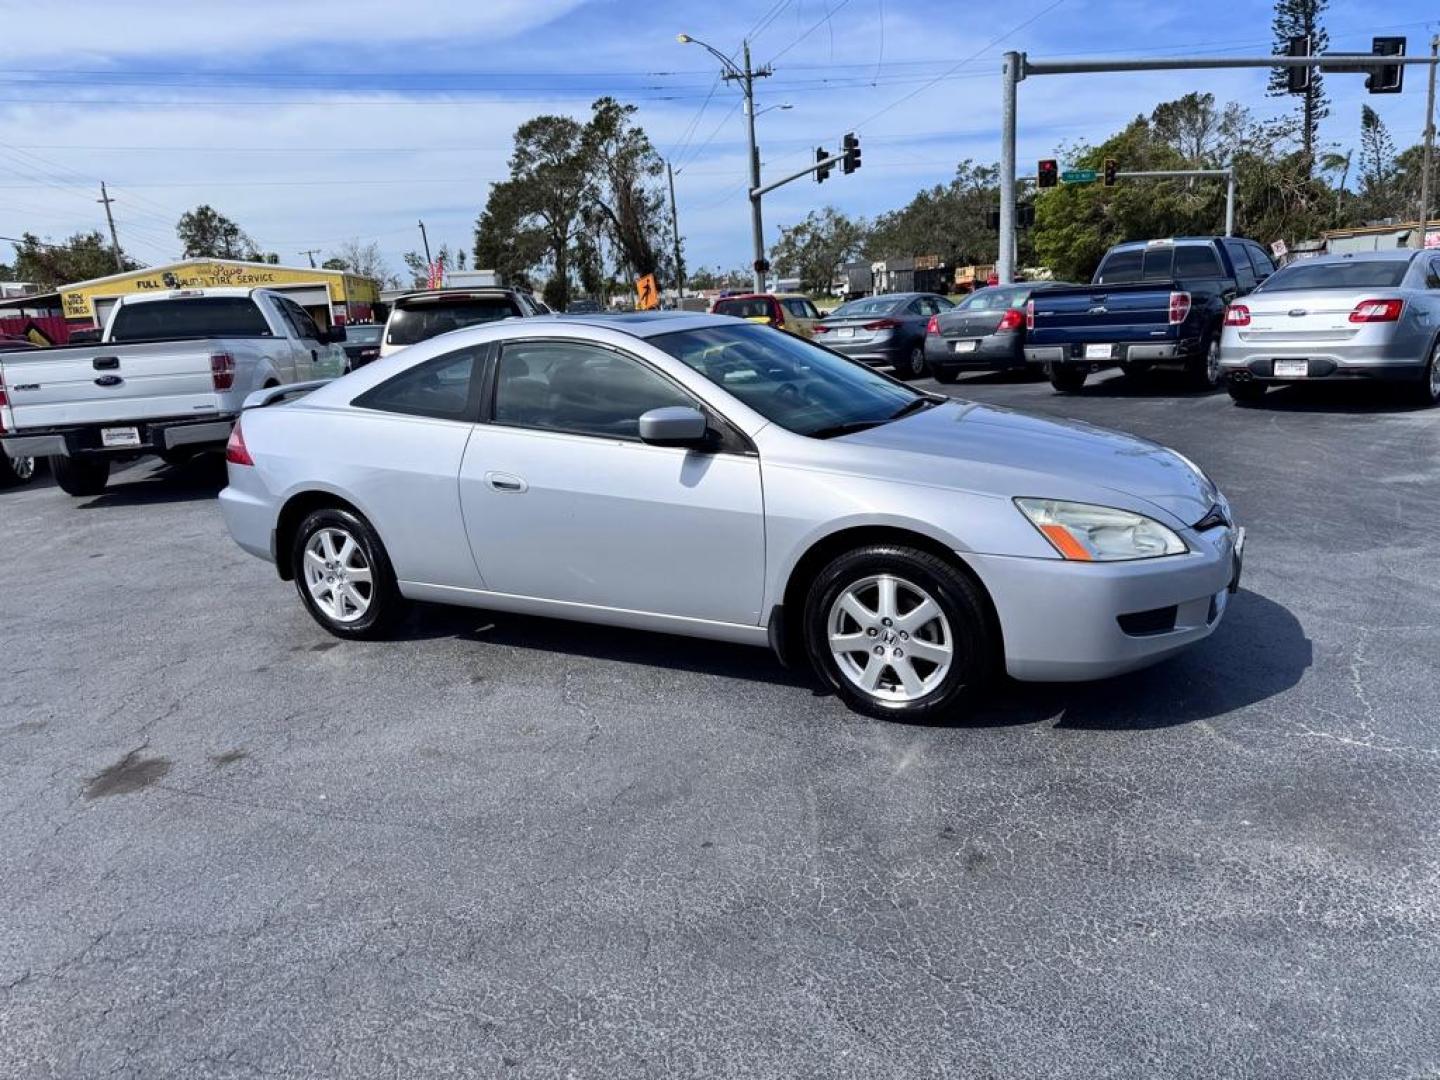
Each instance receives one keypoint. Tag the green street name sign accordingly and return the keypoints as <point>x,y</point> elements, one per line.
<point>1080,176</point>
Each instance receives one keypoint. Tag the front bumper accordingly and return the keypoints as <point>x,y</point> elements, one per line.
<point>1070,621</point>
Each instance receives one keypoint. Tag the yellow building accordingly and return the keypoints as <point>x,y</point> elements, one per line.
<point>332,297</point>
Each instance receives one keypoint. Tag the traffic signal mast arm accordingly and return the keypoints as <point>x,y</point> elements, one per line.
<point>848,159</point>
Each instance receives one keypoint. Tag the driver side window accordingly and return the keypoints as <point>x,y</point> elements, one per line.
<point>577,388</point>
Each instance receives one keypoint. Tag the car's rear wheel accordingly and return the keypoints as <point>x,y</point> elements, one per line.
<point>1246,393</point>
<point>81,476</point>
<point>344,576</point>
<point>914,365</point>
<point>1428,390</point>
<point>1068,378</point>
<point>16,471</point>
<point>1136,370</point>
<point>1203,370</point>
<point>899,633</point>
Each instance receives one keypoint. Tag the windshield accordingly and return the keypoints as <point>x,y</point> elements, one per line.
<point>786,379</point>
<point>875,305</point>
<point>994,299</point>
<point>1361,274</point>
<point>174,320</point>
<point>363,335</point>
<point>423,321</point>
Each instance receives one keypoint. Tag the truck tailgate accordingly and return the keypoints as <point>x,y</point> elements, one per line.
<point>89,384</point>
<point>1103,313</point>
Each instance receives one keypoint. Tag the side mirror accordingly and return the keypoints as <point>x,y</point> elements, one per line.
<point>673,425</point>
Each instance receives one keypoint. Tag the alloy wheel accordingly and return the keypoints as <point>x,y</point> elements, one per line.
<point>338,575</point>
<point>1212,364</point>
<point>917,361</point>
<point>1435,374</point>
<point>890,638</point>
<point>23,468</point>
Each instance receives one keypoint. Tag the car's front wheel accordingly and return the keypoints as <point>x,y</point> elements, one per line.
<point>899,633</point>
<point>16,471</point>
<point>344,576</point>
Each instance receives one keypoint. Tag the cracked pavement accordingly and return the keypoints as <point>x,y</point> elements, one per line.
<point>235,847</point>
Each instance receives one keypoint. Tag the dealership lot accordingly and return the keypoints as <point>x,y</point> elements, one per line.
<point>237,847</point>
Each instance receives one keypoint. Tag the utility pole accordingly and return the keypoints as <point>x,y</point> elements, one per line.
<point>675,231</point>
<point>114,240</point>
<point>311,253</point>
<point>1427,159</point>
<point>425,240</point>
<point>746,77</point>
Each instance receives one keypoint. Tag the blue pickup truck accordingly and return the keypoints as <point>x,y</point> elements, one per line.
<point>1152,303</point>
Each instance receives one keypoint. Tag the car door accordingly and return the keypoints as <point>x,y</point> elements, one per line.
<point>312,352</point>
<point>800,316</point>
<point>563,502</point>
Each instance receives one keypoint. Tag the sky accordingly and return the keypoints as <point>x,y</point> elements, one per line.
<point>312,123</point>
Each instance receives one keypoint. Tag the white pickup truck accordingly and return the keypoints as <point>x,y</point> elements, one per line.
<point>168,377</point>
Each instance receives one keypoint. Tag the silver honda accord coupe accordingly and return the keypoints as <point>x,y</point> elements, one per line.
<point>706,476</point>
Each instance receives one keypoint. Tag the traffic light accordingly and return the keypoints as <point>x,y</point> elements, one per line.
<point>1048,175</point>
<point>1386,78</point>
<point>852,154</point>
<point>1297,79</point>
<point>821,173</point>
<point>1112,170</point>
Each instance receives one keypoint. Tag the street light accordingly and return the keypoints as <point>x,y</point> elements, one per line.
<point>772,108</point>
<point>746,77</point>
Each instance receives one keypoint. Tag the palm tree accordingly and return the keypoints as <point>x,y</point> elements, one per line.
<point>1334,162</point>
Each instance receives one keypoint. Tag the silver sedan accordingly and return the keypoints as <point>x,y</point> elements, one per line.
<point>701,475</point>
<point>1372,315</point>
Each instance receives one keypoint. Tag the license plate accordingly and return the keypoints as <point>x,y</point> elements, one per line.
<point>966,346</point>
<point>1097,352</point>
<point>1292,369</point>
<point>119,436</point>
<point>845,331</point>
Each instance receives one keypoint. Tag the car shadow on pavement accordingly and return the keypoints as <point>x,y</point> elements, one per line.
<point>194,481</point>
<point>1258,652</point>
<point>1161,383</point>
<point>602,643</point>
<point>1339,398</point>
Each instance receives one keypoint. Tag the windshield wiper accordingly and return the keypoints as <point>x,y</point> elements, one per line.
<point>850,427</point>
<point>914,406</point>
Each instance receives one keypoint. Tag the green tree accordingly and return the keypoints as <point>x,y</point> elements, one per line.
<point>208,234</point>
<point>1296,18</point>
<point>814,249</point>
<point>334,263</point>
<point>625,197</point>
<point>80,258</point>
<point>1378,172</point>
<point>948,220</point>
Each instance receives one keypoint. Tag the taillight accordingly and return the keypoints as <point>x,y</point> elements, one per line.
<point>933,326</point>
<point>881,324</point>
<point>1237,315</point>
<point>235,451</point>
<point>222,370</point>
<point>1029,314</point>
<point>820,328</point>
<point>1377,311</point>
<point>1179,307</point>
<point>1011,320</point>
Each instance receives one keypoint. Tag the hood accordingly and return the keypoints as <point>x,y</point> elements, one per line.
<point>999,452</point>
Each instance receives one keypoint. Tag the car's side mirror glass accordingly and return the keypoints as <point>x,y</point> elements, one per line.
<point>674,425</point>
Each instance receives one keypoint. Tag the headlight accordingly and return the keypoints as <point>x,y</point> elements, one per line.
<point>1086,533</point>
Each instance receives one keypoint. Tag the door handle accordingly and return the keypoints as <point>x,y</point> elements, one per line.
<point>314,356</point>
<point>511,485</point>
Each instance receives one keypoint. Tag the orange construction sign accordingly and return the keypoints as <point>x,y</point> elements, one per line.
<point>647,293</point>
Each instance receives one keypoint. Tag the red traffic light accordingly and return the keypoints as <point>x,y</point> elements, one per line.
<point>1048,175</point>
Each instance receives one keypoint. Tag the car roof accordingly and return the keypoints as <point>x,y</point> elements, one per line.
<point>1391,255</point>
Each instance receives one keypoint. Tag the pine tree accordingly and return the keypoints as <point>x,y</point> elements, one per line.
<point>1377,164</point>
<point>1297,18</point>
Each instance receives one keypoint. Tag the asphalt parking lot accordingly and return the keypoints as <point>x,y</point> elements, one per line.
<point>235,847</point>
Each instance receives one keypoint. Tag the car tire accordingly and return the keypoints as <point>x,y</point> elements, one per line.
<point>81,476</point>
<point>1135,371</point>
<point>1203,371</point>
<point>1427,392</point>
<point>1246,393</point>
<point>181,455</point>
<point>945,375</point>
<point>1068,378</point>
<point>351,591</point>
<point>914,365</point>
<point>16,471</point>
<point>850,603</point>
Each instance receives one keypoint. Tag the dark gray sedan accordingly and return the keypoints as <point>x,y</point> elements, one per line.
<point>883,331</point>
<point>984,332</point>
